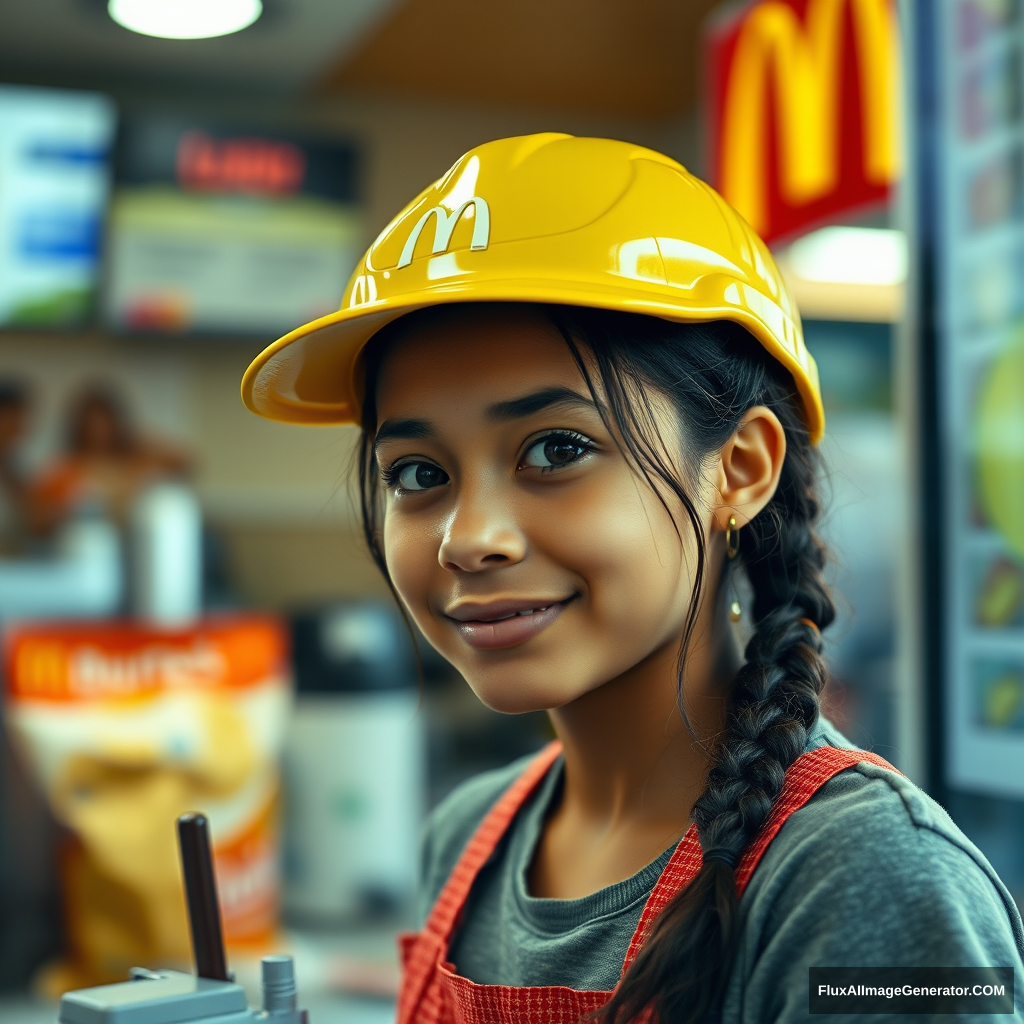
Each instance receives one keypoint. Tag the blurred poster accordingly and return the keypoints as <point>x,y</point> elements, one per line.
<point>981,389</point>
<point>228,231</point>
<point>54,148</point>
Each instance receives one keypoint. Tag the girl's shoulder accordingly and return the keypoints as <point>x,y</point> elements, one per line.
<point>872,871</point>
<point>875,827</point>
<point>867,818</point>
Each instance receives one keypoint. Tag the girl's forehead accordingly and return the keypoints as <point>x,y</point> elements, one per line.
<point>474,356</point>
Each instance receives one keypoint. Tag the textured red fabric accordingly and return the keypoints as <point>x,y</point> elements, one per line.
<point>433,992</point>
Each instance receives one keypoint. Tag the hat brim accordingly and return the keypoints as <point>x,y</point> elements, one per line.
<point>309,376</point>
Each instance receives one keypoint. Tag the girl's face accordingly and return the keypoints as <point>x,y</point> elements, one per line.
<point>522,542</point>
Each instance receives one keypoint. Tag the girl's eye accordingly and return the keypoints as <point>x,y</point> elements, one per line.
<point>418,476</point>
<point>556,451</point>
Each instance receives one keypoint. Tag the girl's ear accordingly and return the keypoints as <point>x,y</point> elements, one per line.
<point>748,468</point>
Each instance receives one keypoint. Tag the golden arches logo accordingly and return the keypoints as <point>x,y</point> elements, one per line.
<point>444,227</point>
<point>805,62</point>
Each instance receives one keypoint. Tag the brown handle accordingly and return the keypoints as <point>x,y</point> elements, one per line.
<point>201,896</point>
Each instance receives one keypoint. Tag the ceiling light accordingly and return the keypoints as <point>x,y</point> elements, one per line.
<point>842,255</point>
<point>185,19</point>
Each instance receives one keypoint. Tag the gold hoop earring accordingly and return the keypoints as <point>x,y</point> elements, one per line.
<point>732,538</point>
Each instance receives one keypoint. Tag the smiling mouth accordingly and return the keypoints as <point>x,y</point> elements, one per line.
<point>505,626</point>
<point>516,615</point>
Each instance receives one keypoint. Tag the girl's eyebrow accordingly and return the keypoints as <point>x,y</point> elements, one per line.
<point>513,409</point>
<point>402,430</point>
<point>516,408</point>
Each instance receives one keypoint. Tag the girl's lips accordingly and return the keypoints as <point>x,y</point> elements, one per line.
<point>509,631</point>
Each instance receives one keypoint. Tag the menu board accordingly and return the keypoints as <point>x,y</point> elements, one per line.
<point>981,389</point>
<point>54,148</point>
<point>228,230</point>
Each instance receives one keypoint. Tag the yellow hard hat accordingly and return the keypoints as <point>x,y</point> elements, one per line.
<point>543,218</point>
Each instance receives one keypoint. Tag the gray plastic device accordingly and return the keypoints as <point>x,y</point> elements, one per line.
<point>209,996</point>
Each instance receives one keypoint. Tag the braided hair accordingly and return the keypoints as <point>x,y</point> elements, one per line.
<point>712,373</point>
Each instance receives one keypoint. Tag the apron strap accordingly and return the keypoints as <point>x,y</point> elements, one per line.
<point>423,953</point>
<point>804,777</point>
<point>445,914</point>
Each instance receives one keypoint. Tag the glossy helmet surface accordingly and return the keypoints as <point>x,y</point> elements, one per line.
<point>551,219</point>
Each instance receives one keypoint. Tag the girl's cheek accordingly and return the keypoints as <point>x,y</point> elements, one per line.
<point>411,556</point>
<point>622,543</point>
<point>616,526</point>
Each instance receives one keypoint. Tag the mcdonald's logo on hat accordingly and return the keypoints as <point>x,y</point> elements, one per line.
<point>804,109</point>
<point>444,227</point>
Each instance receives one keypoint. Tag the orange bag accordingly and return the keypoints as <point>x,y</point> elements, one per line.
<point>125,728</point>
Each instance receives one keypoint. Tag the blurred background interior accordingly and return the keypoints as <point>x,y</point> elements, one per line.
<point>175,573</point>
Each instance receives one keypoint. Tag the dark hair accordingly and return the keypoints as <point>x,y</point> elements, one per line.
<point>712,373</point>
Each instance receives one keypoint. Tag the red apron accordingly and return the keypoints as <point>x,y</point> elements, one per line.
<point>433,993</point>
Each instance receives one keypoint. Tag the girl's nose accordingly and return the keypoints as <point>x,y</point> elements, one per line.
<point>480,535</point>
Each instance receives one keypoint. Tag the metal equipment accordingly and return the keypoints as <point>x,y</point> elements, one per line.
<point>207,997</point>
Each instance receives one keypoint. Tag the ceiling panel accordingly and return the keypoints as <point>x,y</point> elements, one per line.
<point>637,58</point>
<point>74,41</point>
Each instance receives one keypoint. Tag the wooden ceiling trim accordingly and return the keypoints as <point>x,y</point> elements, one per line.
<point>633,58</point>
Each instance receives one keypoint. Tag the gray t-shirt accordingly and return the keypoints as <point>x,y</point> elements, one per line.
<point>870,872</point>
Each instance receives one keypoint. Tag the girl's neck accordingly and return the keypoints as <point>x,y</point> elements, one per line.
<point>633,769</point>
<point>629,756</point>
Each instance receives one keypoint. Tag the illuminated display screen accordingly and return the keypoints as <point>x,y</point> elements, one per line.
<point>228,231</point>
<point>54,148</point>
<point>980,358</point>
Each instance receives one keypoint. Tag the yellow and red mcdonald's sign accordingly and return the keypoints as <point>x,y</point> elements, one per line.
<point>804,109</point>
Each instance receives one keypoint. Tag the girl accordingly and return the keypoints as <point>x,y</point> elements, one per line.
<point>586,412</point>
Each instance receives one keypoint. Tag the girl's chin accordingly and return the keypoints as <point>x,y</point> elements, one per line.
<point>509,695</point>
<point>503,705</point>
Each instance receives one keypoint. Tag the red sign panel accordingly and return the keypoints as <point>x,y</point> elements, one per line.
<point>804,100</point>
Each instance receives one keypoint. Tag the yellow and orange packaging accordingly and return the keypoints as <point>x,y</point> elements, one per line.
<point>125,728</point>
